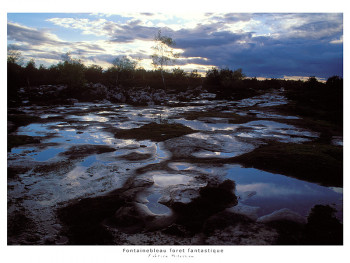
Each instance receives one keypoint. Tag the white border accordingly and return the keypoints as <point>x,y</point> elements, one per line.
<point>112,254</point>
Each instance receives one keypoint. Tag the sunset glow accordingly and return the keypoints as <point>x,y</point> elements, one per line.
<point>267,45</point>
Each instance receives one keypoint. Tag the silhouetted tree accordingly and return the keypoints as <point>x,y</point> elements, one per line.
<point>123,66</point>
<point>334,82</point>
<point>212,76</point>
<point>30,73</point>
<point>14,73</point>
<point>178,72</point>
<point>238,74</point>
<point>71,73</point>
<point>194,74</point>
<point>94,74</point>
<point>312,82</point>
<point>14,56</point>
<point>163,53</point>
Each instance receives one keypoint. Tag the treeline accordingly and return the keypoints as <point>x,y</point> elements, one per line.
<point>124,73</point>
<point>74,74</point>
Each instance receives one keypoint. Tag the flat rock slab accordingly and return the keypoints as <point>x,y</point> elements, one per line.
<point>283,214</point>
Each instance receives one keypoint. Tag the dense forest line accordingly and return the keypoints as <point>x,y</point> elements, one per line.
<point>78,79</point>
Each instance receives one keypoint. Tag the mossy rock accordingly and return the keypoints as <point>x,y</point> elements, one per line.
<point>231,117</point>
<point>17,120</point>
<point>155,132</point>
<point>82,151</point>
<point>18,140</point>
<point>319,163</point>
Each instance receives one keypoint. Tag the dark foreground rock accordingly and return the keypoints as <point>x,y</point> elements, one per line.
<point>312,162</point>
<point>61,94</point>
<point>154,131</point>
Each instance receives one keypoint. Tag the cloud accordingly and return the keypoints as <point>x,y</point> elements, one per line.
<point>86,26</point>
<point>263,44</point>
<point>33,36</point>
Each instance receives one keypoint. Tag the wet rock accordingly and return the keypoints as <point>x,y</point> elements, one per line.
<point>19,140</point>
<point>132,218</point>
<point>49,240</point>
<point>185,146</point>
<point>81,151</point>
<point>246,210</point>
<point>177,230</point>
<point>323,228</point>
<point>211,200</point>
<point>284,214</point>
<point>156,238</point>
<point>18,222</point>
<point>135,156</point>
<point>83,219</point>
<point>139,181</point>
<point>154,131</point>
<point>243,234</point>
<point>63,240</point>
<point>137,217</point>
<point>31,238</point>
<point>314,162</point>
<point>179,194</point>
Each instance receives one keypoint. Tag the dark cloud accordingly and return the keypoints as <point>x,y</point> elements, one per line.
<point>303,49</point>
<point>131,31</point>
<point>317,26</point>
<point>215,39</point>
<point>91,47</point>
<point>278,58</point>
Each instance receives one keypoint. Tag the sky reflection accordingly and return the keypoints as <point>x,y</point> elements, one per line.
<point>274,191</point>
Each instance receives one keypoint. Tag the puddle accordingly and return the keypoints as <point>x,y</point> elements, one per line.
<point>90,136</point>
<point>36,129</point>
<point>272,192</point>
<point>263,129</point>
<point>46,154</point>
<point>164,180</point>
<point>35,153</point>
<point>210,154</point>
<point>21,150</point>
<point>179,166</point>
<point>86,123</point>
<point>156,207</point>
<point>227,145</point>
<point>204,126</point>
<point>156,149</point>
<point>265,100</point>
<point>88,161</point>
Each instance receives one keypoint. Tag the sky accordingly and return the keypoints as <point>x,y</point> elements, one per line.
<point>272,45</point>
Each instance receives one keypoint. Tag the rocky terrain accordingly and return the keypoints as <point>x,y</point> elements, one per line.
<point>142,166</point>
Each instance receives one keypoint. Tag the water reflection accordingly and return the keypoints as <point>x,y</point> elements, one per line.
<point>36,129</point>
<point>47,154</point>
<point>226,145</point>
<point>204,126</point>
<point>164,180</point>
<point>179,166</point>
<point>156,207</point>
<point>274,191</point>
<point>275,130</point>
